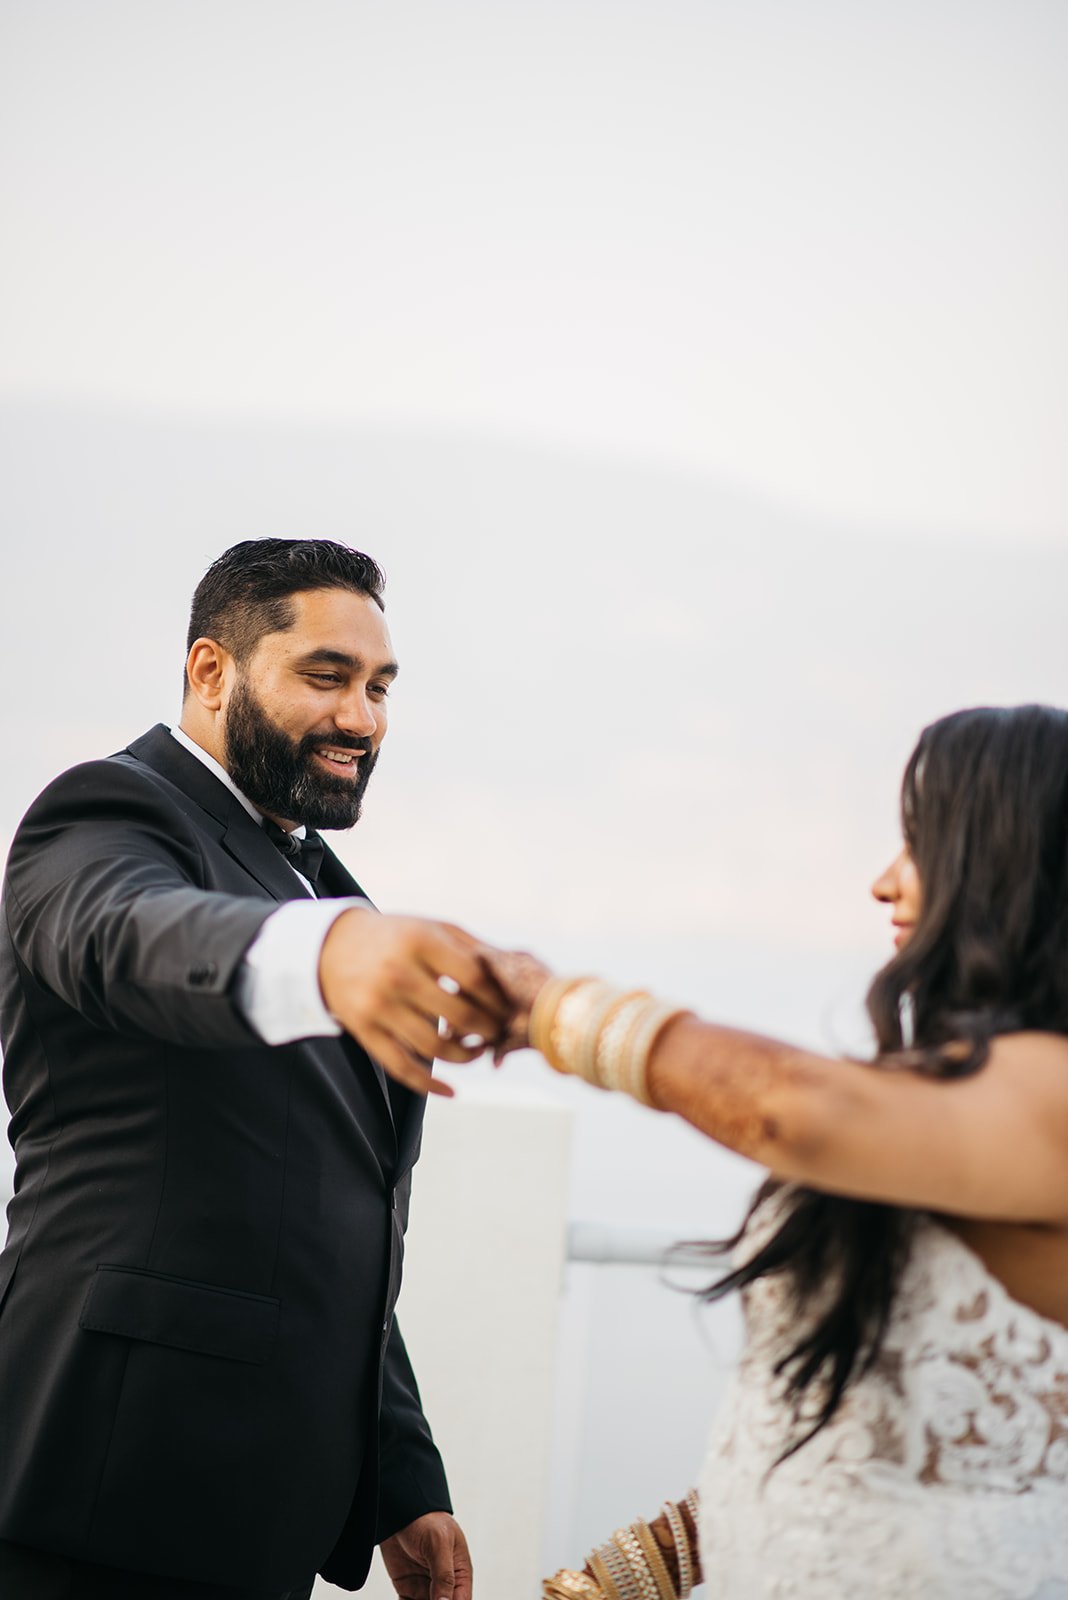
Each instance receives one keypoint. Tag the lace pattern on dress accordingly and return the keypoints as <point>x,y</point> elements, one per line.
<point>943,1474</point>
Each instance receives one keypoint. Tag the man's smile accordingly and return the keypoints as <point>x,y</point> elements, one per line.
<point>340,761</point>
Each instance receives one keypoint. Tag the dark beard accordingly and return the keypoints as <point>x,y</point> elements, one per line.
<point>277,774</point>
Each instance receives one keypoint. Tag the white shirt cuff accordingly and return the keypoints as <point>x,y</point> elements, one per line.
<point>277,985</point>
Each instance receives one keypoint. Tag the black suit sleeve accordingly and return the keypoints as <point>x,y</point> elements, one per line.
<point>411,1477</point>
<point>104,909</point>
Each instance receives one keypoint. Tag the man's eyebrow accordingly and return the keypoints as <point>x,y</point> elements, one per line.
<point>339,658</point>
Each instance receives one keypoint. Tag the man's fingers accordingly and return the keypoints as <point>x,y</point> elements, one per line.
<point>422,986</point>
<point>446,956</point>
<point>442,1570</point>
<point>418,1037</point>
<point>406,1066</point>
<point>461,1015</point>
<point>432,999</point>
<point>456,1052</point>
<point>390,981</point>
<point>419,1034</point>
<point>460,1565</point>
<point>483,952</point>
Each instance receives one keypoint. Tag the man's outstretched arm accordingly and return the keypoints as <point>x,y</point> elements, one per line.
<point>104,909</point>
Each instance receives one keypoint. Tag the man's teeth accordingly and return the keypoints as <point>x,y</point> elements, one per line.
<point>347,756</point>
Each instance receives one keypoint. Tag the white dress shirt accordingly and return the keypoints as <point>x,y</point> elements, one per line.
<point>277,985</point>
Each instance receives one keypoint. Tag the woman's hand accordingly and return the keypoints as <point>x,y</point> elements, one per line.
<point>520,976</point>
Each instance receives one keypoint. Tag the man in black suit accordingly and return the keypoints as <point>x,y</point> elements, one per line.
<point>216,1062</point>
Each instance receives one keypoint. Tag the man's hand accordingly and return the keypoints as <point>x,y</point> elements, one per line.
<point>429,1559</point>
<point>388,980</point>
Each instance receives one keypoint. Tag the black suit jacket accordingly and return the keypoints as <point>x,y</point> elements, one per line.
<point>200,1375</point>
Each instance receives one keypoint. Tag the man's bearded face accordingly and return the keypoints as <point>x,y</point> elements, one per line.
<point>284,777</point>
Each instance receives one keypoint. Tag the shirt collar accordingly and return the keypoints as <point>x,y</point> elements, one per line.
<point>224,777</point>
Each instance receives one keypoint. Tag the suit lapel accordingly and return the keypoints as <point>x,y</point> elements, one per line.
<point>246,841</point>
<point>241,836</point>
<point>336,879</point>
<point>406,1108</point>
<point>338,882</point>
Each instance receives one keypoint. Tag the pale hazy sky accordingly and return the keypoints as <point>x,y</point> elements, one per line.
<point>817,250</point>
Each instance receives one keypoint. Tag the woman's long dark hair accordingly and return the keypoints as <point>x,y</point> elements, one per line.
<point>984,806</point>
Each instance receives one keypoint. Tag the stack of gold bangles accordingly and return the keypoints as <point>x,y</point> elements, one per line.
<point>604,1035</point>
<point>631,1566</point>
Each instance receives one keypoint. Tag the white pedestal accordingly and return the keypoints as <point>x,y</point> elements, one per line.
<point>479,1311</point>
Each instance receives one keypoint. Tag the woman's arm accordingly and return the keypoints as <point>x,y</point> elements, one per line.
<point>993,1145</point>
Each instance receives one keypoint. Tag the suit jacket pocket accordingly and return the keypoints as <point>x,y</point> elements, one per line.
<point>175,1311</point>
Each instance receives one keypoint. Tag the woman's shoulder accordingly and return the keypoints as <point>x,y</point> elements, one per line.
<point>1041,1048</point>
<point>1034,1063</point>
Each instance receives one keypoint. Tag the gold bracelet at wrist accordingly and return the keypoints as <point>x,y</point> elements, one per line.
<point>635,1555</point>
<point>611,1050</point>
<point>571,1586</point>
<point>543,1013</point>
<point>575,1019</point>
<point>655,1561</point>
<point>618,1568</point>
<point>626,1043</point>
<point>586,1028</point>
<point>640,1047</point>
<point>602,1011</point>
<point>683,1553</point>
<point>600,1571</point>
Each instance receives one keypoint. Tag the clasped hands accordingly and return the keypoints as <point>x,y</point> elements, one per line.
<point>409,989</point>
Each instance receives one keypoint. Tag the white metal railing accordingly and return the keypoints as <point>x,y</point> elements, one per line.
<point>606,1244</point>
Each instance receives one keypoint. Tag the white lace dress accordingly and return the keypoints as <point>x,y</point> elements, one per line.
<point>942,1476</point>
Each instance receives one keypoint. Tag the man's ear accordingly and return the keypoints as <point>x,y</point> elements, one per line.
<point>206,670</point>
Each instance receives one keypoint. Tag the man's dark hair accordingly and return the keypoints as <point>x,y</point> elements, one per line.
<point>249,590</point>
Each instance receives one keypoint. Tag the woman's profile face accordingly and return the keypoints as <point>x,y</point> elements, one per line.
<point>899,888</point>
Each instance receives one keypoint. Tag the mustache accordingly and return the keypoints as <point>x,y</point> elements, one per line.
<point>340,741</point>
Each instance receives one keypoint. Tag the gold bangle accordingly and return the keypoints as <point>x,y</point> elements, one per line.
<point>619,1571</point>
<point>655,1561</point>
<point>599,1568</point>
<point>626,1042</point>
<point>602,1009</point>
<point>635,1556</point>
<point>683,1553</point>
<point>571,1586</point>
<point>640,1047</point>
<point>692,1504</point>
<point>572,1023</point>
<point>611,1046</point>
<point>585,1028</point>
<point>622,1066</point>
<point>543,1013</point>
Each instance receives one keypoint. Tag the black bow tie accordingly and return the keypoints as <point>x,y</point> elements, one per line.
<point>305,854</point>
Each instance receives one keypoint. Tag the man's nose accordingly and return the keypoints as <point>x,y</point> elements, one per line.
<point>356,714</point>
